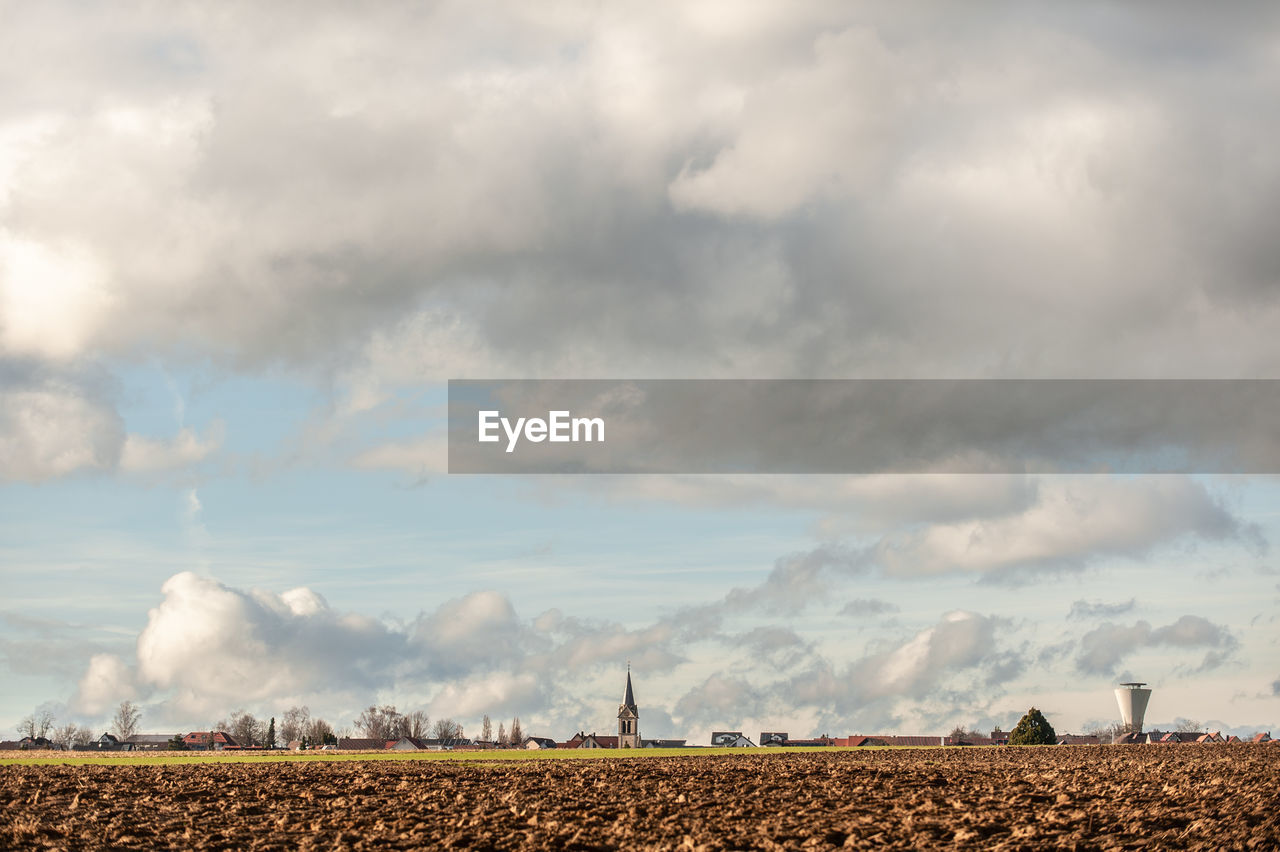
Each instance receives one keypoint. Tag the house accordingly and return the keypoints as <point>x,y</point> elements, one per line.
<point>209,741</point>
<point>1215,737</point>
<point>538,742</point>
<point>151,742</point>
<point>407,744</point>
<point>1234,739</point>
<point>730,739</point>
<point>591,740</point>
<point>663,743</point>
<point>447,744</point>
<point>773,738</point>
<point>106,742</point>
<point>1261,738</point>
<point>361,744</point>
<point>37,744</point>
<point>1079,739</point>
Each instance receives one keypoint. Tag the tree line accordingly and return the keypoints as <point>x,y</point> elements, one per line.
<point>296,725</point>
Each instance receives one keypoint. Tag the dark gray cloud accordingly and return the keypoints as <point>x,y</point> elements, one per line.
<point>841,190</point>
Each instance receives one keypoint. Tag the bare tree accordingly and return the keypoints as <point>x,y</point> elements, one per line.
<point>446,729</point>
<point>125,722</point>
<point>486,730</point>
<point>415,724</point>
<point>517,735</point>
<point>318,731</point>
<point>960,732</point>
<point>37,725</point>
<point>67,735</point>
<point>1187,726</point>
<point>293,724</point>
<point>379,723</point>
<point>502,735</point>
<point>244,728</point>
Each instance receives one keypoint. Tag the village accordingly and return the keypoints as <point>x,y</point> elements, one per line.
<point>399,735</point>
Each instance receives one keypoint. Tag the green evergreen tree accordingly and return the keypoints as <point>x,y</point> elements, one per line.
<point>1033,729</point>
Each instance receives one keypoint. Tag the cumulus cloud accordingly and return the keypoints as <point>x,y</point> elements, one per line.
<point>960,641</point>
<point>1103,648</point>
<point>212,646</point>
<point>439,176</point>
<point>1073,522</point>
<point>107,681</point>
<point>950,658</point>
<point>720,700</point>
<point>798,579</point>
<point>55,422</point>
<point>208,646</point>
<point>477,632</point>
<point>59,420</point>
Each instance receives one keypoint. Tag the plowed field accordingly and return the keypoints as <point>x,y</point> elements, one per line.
<point>1173,797</point>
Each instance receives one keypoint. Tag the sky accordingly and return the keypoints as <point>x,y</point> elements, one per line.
<point>243,251</point>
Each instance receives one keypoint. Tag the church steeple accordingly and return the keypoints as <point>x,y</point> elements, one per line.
<point>628,717</point>
<point>628,697</point>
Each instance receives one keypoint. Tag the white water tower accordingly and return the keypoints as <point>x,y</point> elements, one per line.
<point>1132,699</point>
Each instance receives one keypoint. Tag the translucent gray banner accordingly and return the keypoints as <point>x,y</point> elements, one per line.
<point>864,426</point>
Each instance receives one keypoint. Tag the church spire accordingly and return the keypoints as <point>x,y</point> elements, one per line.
<point>628,698</point>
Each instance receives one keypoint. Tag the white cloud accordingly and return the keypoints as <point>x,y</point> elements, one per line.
<point>107,681</point>
<point>52,298</point>
<point>1103,648</point>
<point>151,455</point>
<point>1073,521</point>
<point>210,646</point>
<point>51,428</point>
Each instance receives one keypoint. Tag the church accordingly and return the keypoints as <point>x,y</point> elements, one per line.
<point>628,718</point>
<point>628,730</point>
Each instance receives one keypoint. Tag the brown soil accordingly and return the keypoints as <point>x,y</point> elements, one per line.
<point>1173,797</point>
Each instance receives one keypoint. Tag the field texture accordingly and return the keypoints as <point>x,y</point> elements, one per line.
<point>1173,797</point>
